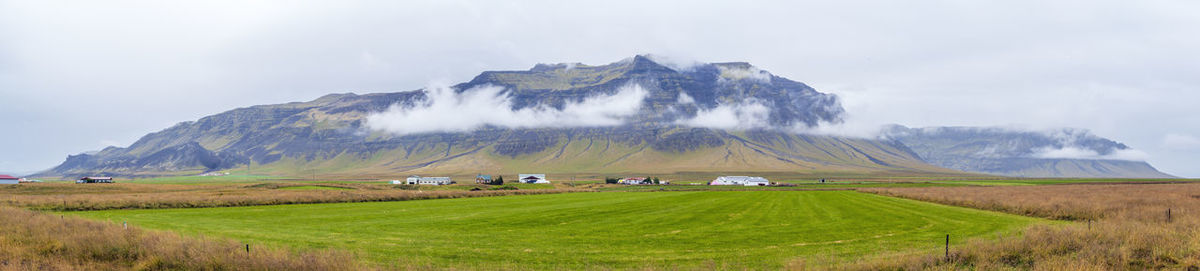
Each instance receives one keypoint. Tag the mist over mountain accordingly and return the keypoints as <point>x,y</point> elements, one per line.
<point>1021,153</point>
<point>639,115</point>
<point>636,90</point>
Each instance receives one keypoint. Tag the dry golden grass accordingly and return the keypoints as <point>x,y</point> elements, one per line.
<point>72,197</point>
<point>1116,227</point>
<point>36,241</point>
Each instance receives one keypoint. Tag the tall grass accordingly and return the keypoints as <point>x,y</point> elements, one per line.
<point>1115,227</point>
<point>36,241</point>
<point>131,196</point>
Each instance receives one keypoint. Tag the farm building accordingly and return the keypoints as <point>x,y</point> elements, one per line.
<point>428,180</point>
<point>532,178</point>
<point>95,180</point>
<point>740,180</point>
<point>635,180</point>
<point>483,179</point>
<point>5,179</point>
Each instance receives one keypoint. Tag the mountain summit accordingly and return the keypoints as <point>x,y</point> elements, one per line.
<point>674,93</point>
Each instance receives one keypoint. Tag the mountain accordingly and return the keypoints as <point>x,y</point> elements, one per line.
<point>1009,152</point>
<point>553,118</point>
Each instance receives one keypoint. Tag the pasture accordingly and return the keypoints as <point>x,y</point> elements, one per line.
<point>709,229</point>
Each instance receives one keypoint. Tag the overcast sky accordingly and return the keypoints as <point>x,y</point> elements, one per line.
<point>79,76</point>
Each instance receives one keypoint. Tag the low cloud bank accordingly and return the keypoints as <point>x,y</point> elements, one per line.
<point>1073,152</point>
<point>750,73</point>
<point>1074,144</point>
<point>444,110</point>
<point>740,116</point>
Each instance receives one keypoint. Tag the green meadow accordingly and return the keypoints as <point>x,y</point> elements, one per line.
<point>709,229</point>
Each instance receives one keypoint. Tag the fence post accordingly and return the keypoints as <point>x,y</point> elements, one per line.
<point>1168,215</point>
<point>947,247</point>
<point>247,248</point>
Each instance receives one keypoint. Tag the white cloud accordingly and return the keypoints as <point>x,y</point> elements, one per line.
<point>444,110</point>
<point>1183,142</point>
<point>852,127</point>
<point>751,73</point>
<point>740,116</point>
<point>677,63</point>
<point>1072,152</point>
<point>685,99</point>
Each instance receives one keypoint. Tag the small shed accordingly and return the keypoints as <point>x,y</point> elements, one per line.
<point>532,178</point>
<point>6,179</point>
<point>95,180</point>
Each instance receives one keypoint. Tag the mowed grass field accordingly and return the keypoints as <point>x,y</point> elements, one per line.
<point>714,229</point>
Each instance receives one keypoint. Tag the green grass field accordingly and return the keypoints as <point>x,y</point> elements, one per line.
<point>807,186</point>
<point>734,229</point>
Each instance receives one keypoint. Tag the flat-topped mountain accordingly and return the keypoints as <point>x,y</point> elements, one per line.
<point>636,115</point>
<point>675,126</point>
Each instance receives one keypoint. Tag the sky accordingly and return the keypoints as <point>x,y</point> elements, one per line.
<point>77,76</point>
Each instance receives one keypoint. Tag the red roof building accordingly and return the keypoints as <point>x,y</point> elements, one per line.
<point>5,179</point>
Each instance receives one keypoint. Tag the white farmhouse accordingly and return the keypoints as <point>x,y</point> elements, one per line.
<point>740,180</point>
<point>532,178</point>
<point>428,180</point>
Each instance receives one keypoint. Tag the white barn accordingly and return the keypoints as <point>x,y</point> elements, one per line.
<point>740,180</point>
<point>428,180</point>
<point>532,178</point>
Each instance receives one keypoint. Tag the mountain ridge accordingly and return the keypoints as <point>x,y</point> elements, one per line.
<point>676,127</point>
<point>1022,153</point>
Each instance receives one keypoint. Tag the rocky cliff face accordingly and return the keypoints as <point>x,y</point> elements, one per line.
<point>1009,152</point>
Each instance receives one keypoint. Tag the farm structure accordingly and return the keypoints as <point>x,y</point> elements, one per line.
<point>5,179</point>
<point>740,180</point>
<point>641,181</point>
<point>428,180</point>
<point>95,180</point>
<point>635,181</point>
<point>483,179</point>
<point>532,178</point>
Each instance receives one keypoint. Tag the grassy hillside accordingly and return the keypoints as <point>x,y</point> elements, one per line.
<point>760,229</point>
<point>566,152</point>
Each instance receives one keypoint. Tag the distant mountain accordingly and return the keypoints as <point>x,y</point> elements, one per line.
<point>1008,152</point>
<point>676,127</point>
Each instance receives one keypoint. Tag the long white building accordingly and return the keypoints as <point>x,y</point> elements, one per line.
<point>428,180</point>
<point>741,180</point>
